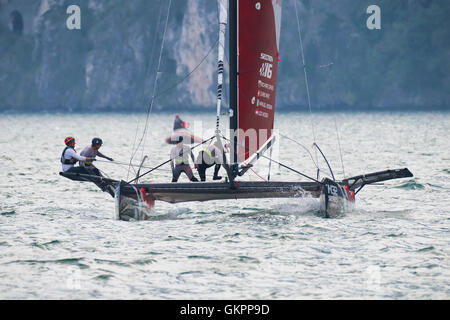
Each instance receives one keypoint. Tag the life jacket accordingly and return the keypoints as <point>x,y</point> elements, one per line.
<point>182,158</point>
<point>208,152</point>
<point>67,161</point>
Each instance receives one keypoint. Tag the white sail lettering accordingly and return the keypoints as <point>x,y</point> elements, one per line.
<point>264,105</point>
<point>264,85</point>
<point>266,70</point>
<point>265,56</point>
<point>263,94</point>
<point>262,114</point>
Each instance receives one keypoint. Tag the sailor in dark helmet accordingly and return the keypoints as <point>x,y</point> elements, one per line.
<point>69,157</point>
<point>92,151</point>
<point>179,156</point>
<point>209,156</point>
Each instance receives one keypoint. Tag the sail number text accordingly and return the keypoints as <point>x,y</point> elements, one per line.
<point>266,70</point>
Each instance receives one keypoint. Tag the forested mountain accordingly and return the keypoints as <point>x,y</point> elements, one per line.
<point>111,62</point>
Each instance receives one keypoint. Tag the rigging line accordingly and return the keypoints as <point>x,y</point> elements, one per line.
<point>335,121</point>
<point>118,163</point>
<point>189,74</point>
<point>339,144</point>
<point>301,145</point>
<point>134,151</point>
<point>149,64</point>
<point>279,163</point>
<point>151,60</point>
<point>289,168</point>
<point>305,73</point>
<point>165,162</point>
<point>176,84</point>
<point>326,160</point>
<point>144,135</point>
<point>258,175</point>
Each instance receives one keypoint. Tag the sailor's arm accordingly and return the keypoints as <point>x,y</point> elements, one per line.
<point>172,156</point>
<point>74,155</point>
<point>101,155</point>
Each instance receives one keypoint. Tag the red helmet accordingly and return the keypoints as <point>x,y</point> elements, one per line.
<point>69,140</point>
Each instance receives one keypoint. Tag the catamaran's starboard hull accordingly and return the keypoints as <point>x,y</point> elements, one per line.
<point>184,192</point>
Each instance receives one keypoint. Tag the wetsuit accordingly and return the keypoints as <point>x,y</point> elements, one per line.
<point>179,157</point>
<point>207,158</point>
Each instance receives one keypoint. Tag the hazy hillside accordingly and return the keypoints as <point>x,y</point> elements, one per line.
<point>110,64</point>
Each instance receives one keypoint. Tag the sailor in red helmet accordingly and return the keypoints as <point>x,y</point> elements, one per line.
<point>69,157</point>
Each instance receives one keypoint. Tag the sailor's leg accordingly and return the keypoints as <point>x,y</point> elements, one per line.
<point>216,172</point>
<point>93,171</point>
<point>187,169</point>
<point>201,168</point>
<point>81,170</point>
<point>176,173</point>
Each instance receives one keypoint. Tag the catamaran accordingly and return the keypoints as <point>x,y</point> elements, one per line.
<point>254,39</point>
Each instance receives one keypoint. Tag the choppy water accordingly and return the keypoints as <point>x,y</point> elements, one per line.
<point>58,238</point>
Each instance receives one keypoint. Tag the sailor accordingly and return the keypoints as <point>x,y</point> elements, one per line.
<point>92,152</point>
<point>69,157</point>
<point>179,156</point>
<point>209,156</point>
<point>179,124</point>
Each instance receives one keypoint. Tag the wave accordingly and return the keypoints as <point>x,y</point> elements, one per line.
<point>411,185</point>
<point>8,213</point>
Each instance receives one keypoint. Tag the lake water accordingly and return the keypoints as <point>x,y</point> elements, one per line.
<point>58,238</point>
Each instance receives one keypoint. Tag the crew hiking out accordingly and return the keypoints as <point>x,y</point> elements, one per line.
<point>69,157</point>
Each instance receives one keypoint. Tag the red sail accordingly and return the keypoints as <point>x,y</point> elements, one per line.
<point>258,42</point>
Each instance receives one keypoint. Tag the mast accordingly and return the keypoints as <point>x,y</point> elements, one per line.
<point>223,6</point>
<point>233,56</point>
<point>221,50</point>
